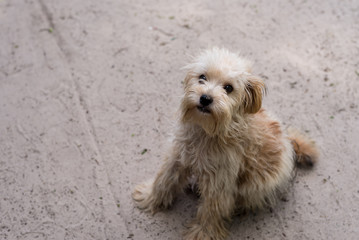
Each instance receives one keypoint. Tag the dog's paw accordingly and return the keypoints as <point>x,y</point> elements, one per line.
<point>144,198</point>
<point>198,232</point>
<point>195,232</point>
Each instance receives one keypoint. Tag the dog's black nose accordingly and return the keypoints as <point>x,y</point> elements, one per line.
<point>205,100</point>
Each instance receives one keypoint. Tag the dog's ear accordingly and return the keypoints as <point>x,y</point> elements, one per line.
<point>187,79</point>
<point>254,91</point>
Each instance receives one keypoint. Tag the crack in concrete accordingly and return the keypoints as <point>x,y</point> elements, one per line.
<point>59,39</point>
<point>85,109</point>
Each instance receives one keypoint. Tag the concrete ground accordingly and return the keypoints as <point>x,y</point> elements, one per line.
<point>89,91</point>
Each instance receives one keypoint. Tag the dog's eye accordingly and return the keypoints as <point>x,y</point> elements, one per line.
<point>203,77</point>
<point>228,88</point>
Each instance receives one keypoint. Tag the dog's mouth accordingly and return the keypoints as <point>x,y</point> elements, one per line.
<point>203,109</point>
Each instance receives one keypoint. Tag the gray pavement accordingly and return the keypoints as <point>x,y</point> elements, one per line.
<point>89,91</point>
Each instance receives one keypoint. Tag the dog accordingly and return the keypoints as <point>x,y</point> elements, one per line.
<point>239,154</point>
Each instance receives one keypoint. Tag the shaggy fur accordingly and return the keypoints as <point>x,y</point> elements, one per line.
<point>236,151</point>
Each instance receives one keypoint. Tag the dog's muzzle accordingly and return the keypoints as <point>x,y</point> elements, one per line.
<point>204,101</point>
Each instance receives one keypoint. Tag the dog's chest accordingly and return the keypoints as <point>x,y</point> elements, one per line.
<point>208,155</point>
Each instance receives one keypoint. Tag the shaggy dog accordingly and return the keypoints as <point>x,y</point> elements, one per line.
<point>237,152</point>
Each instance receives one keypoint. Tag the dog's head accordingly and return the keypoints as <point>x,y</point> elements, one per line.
<point>219,88</point>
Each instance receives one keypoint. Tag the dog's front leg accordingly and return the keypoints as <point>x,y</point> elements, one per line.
<point>215,210</point>
<point>160,193</point>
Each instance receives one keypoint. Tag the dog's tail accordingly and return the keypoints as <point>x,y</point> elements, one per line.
<point>306,151</point>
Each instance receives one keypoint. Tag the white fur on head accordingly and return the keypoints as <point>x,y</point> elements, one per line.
<point>221,68</point>
<point>222,59</point>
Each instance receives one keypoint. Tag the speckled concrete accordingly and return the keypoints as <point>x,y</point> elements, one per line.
<point>89,91</point>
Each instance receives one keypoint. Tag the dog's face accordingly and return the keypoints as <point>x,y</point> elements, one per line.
<point>218,88</point>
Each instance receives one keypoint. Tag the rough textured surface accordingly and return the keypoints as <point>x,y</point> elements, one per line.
<point>89,91</point>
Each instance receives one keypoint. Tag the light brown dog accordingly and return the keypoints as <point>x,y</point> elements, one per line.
<point>236,151</point>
